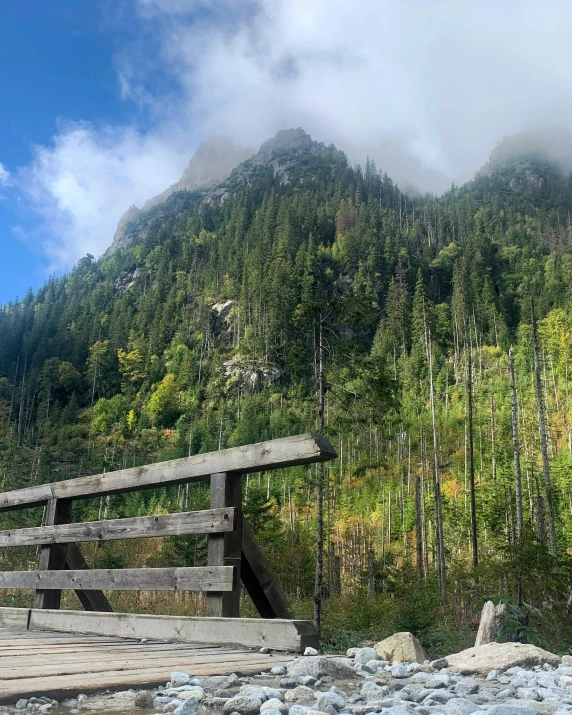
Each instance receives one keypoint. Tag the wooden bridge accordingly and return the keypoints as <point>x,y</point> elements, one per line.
<point>39,645</point>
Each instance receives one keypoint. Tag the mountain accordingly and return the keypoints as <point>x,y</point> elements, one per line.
<point>211,163</point>
<point>227,307</point>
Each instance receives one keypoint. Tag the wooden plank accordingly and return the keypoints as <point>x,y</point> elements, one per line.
<point>91,600</point>
<point>273,454</point>
<point>14,618</point>
<point>278,634</point>
<point>259,580</point>
<point>209,521</point>
<point>200,578</point>
<point>224,549</point>
<point>53,557</point>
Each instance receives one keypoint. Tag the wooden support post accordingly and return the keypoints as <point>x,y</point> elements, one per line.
<point>259,580</point>
<point>90,600</point>
<point>53,557</point>
<point>225,549</point>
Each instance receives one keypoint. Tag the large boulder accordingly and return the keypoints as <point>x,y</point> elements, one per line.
<point>401,647</point>
<point>317,666</point>
<point>499,657</point>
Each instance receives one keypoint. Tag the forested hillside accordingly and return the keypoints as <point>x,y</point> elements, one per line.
<point>209,327</point>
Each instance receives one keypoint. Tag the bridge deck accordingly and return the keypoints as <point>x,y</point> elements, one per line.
<point>62,665</point>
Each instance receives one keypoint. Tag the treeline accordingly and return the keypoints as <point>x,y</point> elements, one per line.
<point>333,300</point>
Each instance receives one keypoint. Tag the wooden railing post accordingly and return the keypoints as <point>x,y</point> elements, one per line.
<point>53,556</point>
<point>225,549</point>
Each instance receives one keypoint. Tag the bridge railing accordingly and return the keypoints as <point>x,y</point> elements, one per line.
<point>234,556</point>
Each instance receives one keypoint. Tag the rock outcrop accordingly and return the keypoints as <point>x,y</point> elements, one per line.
<point>401,647</point>
<point>501,657</point>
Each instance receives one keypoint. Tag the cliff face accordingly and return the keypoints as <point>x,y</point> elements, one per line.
<point>210,164</point>
<point>215,166</point>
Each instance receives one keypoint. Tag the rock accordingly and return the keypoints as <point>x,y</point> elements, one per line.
<point>420,677</point>
<point>220,693</point>
<point>308,680</point>
<point>364,655</point>
<point>403,647</point>
<point>332,699</point>
<point>527,694</point>
<point>300,694</point>
<point>508,709</point>
<point>278,670</point>
<point>401,710</point>
<point>298,710</point>
<point>159,701</point>
<point>270,711</point>
<point>72,702</point>
<point>197,693</point>
<point>226,682</point>
<point>264,650</point>
<point>288,683</point>
<point>21,704</point>
<point>274,704</point>
<point>189,707</point>
<point>310,651</point>
<point>460,706</point>
<point>491,620</point>
<point>372,691</point>
<point>242,704</point>
<point>178,679</point>
<point>321,667</point>
<point>81,698</point>
<point>567,660</point>
<point>467,686</point>
<point>439,663</point>
<point>143,699</point>
<point>271,693</point>
<point>398,670</point>
<point>500,655</point>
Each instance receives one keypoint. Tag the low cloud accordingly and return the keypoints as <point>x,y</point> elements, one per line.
<point>425,88</point>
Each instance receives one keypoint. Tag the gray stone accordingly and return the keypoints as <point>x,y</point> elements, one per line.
<point>364,655</point>
<point>72,702</point>
<point>274,704</point>
<point>270,711</point>
<point>226,682</point>
<point>242,704</point>
<point>272,693</point>
<point>220,693</point>
<point>298,710</point>
<point>253,692</point>
<point>398,670</point>
<point>264,650</point>
<point>21,704</point>
<point>321,667</point>
<point>467,686</point>
<point>143,699</point>
<point>502,655</point>
<point>401,710</point>
<point>420,677</point>
<point>439,696</point>
<point>278,670</point>
<point>159,701</point>
<point>310,651</point>
<point>567,660</point>
<point>527,694</point>
<point>371,691</point>
<point>308,680</point>
<point>506,693</point>
<point>288,683</point>
<point>332,699</point>
<point>299,694</point>
<point>365,668</point>
<point>189,707</point>
<point>180,679</point>
<point>460,706</point>
<point>403,647</point>
<point>440,680</point>
<point>492,674</point>
<point>508,709</point>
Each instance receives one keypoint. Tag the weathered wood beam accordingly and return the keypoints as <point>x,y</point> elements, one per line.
<point>53,557</point>
<point>259,579</point>
<point>91,600</point>
<point>224,549</point>
<point>210,521</point>
<point>200,578</point>
<point>274,454</point>
<point>278,634</point>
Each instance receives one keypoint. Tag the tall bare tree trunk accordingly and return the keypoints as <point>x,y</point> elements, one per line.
<point>516,449</point>
<point>474,535</point>
<point>543,438</point>
<point>437,484</point>
<point>318,589</point>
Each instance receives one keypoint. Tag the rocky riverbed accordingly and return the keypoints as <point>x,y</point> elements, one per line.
<point>497,679</point>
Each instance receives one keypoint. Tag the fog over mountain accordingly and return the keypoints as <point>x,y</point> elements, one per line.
<point>425,89</point>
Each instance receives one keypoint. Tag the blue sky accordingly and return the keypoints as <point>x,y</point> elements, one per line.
<point>104,101</point>
<point>58,62</point>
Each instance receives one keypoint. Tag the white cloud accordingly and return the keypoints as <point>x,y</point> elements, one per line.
<point>418,85</point>
<point>5,178</point>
